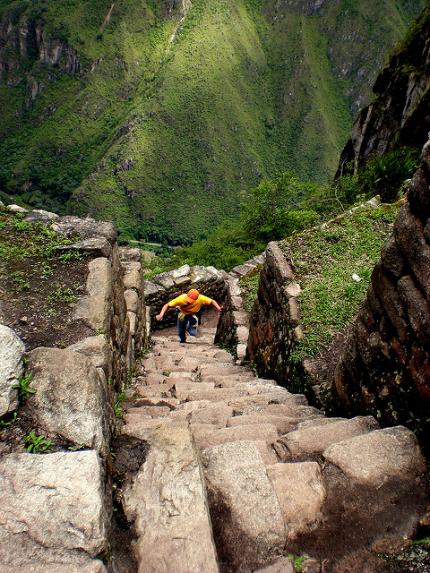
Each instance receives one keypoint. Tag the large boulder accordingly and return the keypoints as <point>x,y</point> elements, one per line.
<point>11,352</point>
<point>70,398</point>
<point>87,228</point>
<point>53,513</point>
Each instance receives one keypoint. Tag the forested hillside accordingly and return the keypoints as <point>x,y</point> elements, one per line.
<point>156,115</point>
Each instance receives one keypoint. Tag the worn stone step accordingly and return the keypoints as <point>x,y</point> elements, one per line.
<point>284,424</point>
<point>167,502</point>
<point>157,391</point>
<point>185,389</point>
<point>314,437</point>
<point>227,380</point>
<point>301,493</point>
<point>246,514</point>
<point>204,412</point>
<point>207,437</point>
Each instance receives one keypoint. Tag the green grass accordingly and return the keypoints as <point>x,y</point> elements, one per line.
<point>324,261</point>
<point>245,91</point>
<point>249,288</point>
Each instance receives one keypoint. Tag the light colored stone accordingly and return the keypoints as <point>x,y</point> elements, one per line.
<point>150,288</point>
<point>131,300</point>
<point>301,494</point>
<point>167,502</point>
<point>94,566</point>
<point>96,348</point>
<point>133,276</point>
<point>283,565</point>
<point>87,228</point>
<point>216,413</point>
<point>185,389</point>
<point>52,511</point>
<point>96,307</point>
<point>206,438</point>
<point>16,209</point>
<point>293,290</point>
<point>70,399</point>
<point>242,334</point>
<point>39,215</point>
<point>180,272</point>
<point>314,439</point>
<point>133,322</point>
<point>283,424</point>
<point>237,480</point>
<point>379,457</point>
<point>99,246</point>
<point>11,352</point>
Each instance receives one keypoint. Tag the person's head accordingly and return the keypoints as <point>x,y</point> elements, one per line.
<point>193,294</point>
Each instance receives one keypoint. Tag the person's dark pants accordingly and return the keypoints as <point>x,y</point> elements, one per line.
<point>189,323</point>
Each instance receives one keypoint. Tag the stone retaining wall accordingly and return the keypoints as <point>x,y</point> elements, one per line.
<point>274,323</point>
<point>385,367</point>
<point>73,393</point>
<point>233,326</point>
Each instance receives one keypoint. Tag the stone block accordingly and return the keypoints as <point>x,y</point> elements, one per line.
<point>11,352</point>
<point>167,502</point>
<point>96,307</point>
<point>246,511</point>
<point>70,399</point>
<point>301,494</point>
<point>53,512</point>
<point>131,300</point>
<point>379,457</point>
<point>96,348</point>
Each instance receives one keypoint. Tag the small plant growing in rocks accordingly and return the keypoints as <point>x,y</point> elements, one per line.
<point>36,444</point>
<point>23,386</point>
<point>6,423</point>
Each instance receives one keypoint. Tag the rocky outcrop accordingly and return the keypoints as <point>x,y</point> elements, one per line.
<point>398,116</point>
<point>24,41</point>
<point>385,367</point>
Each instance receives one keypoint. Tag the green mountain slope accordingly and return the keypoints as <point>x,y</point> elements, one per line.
<point>158,114</point>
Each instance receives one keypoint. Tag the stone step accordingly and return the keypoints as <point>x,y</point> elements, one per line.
<point>167,503</point>
<point>301,493</point>
<point>207,436</point>
<point>284,424</point>
<point>246,514</point>
<point>313,437</point>
<point>204,412</point>
<point>185,389</point>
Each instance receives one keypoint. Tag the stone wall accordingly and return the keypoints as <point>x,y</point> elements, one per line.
<point>233,325</point>
<point>73,391</point>
<point>385,368</point>
<point>166,286</point>
<point>274,323</point>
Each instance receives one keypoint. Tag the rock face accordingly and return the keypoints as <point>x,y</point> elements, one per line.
<point>399,114</point>
<point>53,512</point>
<point>385,367</point>
<point>11,353</point>
<point>24,40</point>
<point>70,398</point>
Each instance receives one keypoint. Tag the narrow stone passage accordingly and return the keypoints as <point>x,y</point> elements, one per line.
<point>241,472</point>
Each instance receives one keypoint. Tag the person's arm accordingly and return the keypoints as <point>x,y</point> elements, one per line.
<point>162,312</point>
<point>216,305</point>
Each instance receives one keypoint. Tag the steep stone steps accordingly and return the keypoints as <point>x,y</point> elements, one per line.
<point>241,464</point>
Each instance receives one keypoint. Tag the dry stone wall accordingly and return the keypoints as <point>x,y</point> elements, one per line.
<point>55,508</point>
<point>233,325</point>
<point>385,368</point>
<point>274,324</point>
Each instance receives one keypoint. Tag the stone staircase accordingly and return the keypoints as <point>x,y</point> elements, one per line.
<point>240,472</point>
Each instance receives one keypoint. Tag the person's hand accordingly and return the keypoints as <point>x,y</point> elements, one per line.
<point>159,317</point>
<point>221,308</point>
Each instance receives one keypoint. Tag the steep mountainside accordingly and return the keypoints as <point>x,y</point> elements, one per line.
<point>123,108</point>
<point>399,115</point>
